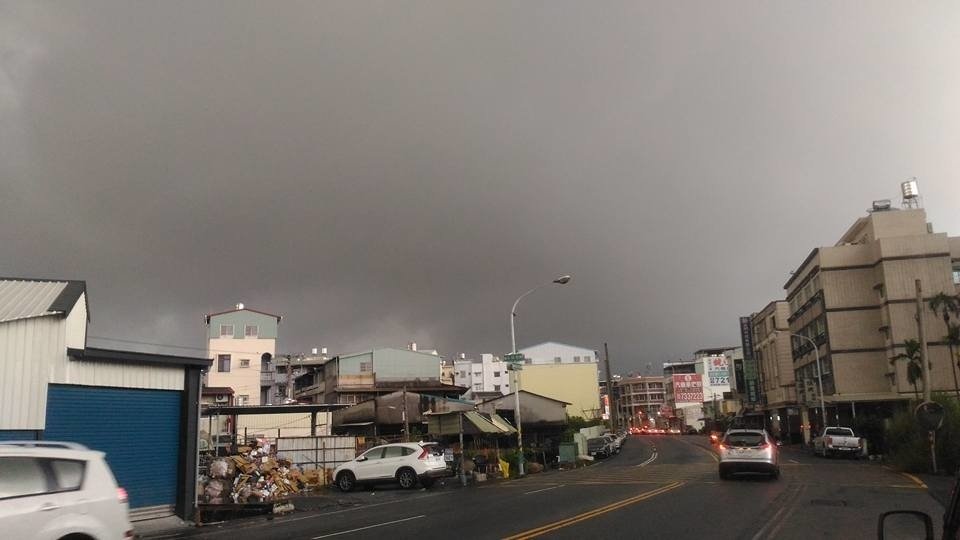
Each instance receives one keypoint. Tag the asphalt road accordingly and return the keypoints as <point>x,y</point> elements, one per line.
<point>658,487</point>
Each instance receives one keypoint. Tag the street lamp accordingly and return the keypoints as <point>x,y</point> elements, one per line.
<point>816,350</point>
<point>562,280</point>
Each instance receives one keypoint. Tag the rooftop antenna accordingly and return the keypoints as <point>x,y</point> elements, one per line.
<point>911,194</point>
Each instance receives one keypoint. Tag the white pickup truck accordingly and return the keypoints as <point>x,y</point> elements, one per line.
<point>837,441</point>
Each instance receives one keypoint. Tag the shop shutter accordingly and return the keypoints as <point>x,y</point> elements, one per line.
<point>139,430</point>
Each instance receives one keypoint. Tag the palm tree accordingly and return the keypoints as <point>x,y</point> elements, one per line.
<point>914,364</point>
<point>947,306</point>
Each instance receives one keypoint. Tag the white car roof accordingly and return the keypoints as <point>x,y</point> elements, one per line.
<point>7,450</point>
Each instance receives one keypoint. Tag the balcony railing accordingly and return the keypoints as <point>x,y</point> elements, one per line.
<point>267,378</point>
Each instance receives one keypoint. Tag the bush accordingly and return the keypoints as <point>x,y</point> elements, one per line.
<point>908,444</point>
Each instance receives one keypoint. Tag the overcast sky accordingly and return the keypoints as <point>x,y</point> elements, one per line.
<point>385,172</point>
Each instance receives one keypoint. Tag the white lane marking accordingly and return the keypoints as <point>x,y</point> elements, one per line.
<point>776,523</point>
<point>369,527</point>
<point>769,524</point>
<point>794,461</point>
<point>544,489</point>
<point>649,461</point>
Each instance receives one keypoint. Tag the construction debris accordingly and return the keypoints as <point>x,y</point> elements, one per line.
<point>253,476</point>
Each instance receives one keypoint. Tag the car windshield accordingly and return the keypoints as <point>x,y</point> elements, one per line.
<point>840,432</point>
<point>744,439</point>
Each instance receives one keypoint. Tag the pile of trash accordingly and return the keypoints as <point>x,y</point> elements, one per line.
<point>253,476</point>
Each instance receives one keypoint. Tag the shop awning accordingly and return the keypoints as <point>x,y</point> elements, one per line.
<point>474,423</point>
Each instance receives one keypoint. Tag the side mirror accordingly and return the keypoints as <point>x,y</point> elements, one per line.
<point>779,442</point>
<point>362,458</point>
<point>904,524</point>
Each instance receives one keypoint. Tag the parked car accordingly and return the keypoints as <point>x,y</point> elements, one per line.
<point>613,446</point>
<point>403,463</point>
<point>748,450</point>
<point>837,441</point>
<point>51,490</point>
<point>597,447</point>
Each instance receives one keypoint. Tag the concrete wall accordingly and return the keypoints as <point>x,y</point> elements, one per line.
<point>573,383</point>
<point>268,325</point>
<point>547,353</point>
<point>394,364</point>
<point>244,381</point>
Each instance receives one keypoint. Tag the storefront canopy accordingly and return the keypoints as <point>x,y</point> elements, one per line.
<point>474,423</point>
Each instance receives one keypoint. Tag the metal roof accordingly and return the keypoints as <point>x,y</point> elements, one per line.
<point>25,299</point>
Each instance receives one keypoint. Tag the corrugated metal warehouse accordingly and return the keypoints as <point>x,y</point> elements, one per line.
<point>140,409</point>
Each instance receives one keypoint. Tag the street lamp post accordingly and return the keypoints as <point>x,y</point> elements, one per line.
<point>562,280</point>
<point>816,350</point>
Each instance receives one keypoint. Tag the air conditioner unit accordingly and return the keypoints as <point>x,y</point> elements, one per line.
<point>222,398</point>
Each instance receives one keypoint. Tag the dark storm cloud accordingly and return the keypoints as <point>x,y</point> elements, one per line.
<point>385,172</point>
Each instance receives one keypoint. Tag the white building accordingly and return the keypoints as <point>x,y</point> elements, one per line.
<point>552,352</point>
<point>489,374</point>
<point>132,406</point>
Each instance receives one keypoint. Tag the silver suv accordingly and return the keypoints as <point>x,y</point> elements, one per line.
<point>748,450</point>
<point>51,490</point>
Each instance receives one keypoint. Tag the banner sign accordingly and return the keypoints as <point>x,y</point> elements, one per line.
<point>688,388</point>
<point>750,375</point>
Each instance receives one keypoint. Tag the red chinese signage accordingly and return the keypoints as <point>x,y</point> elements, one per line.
<point>688,388</point>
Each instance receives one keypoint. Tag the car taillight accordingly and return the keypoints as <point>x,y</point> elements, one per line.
<point>128,534</point>
<point>764,446</point>
<point>424,455</point>
<point>828,440</point>
<point>122,494</point>
<point>722,447</point>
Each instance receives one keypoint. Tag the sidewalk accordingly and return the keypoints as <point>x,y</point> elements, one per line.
<point>939,486</point>
<point>159,527</point>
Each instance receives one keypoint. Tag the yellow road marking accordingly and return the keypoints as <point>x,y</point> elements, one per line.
<point>550,527</point>
<point>915,480</point>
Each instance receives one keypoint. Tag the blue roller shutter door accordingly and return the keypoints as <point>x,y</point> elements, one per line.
<point>139,430</point>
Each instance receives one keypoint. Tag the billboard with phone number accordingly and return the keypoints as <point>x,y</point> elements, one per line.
<point>688,388</point>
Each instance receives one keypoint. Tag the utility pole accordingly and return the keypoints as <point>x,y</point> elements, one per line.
<point>921,331</point>
<point>610,397</point>
<point>406,424</point>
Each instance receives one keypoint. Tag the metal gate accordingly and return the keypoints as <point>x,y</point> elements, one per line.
<point>139,430</point>
<point>323,452</point>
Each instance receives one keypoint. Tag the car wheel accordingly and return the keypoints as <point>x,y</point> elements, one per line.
<point>407,478</point>
<point>427,482</point>
<point>346,481</point>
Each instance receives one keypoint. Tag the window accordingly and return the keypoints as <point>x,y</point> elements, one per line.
<point>226,330</point>
<point>20,476</point>
<point>478,387</point>
<point>68,473</point>
<point>392,452</point>
<point>496,373</point>
<point>251,330</point>
<point>375,453</point>
<point>477,373</point>
<point>243,399</point>
<point>576,359</point>
<point>244,362</point>
<point>463,374</point>
<point>956,274</point>
<point>366,367</point>
<point>556,360</point>
<point>496,388</point>
<point>223,363</point>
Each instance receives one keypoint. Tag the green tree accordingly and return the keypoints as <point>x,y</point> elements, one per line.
<point>949,307</point>
<point>914,364</point>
